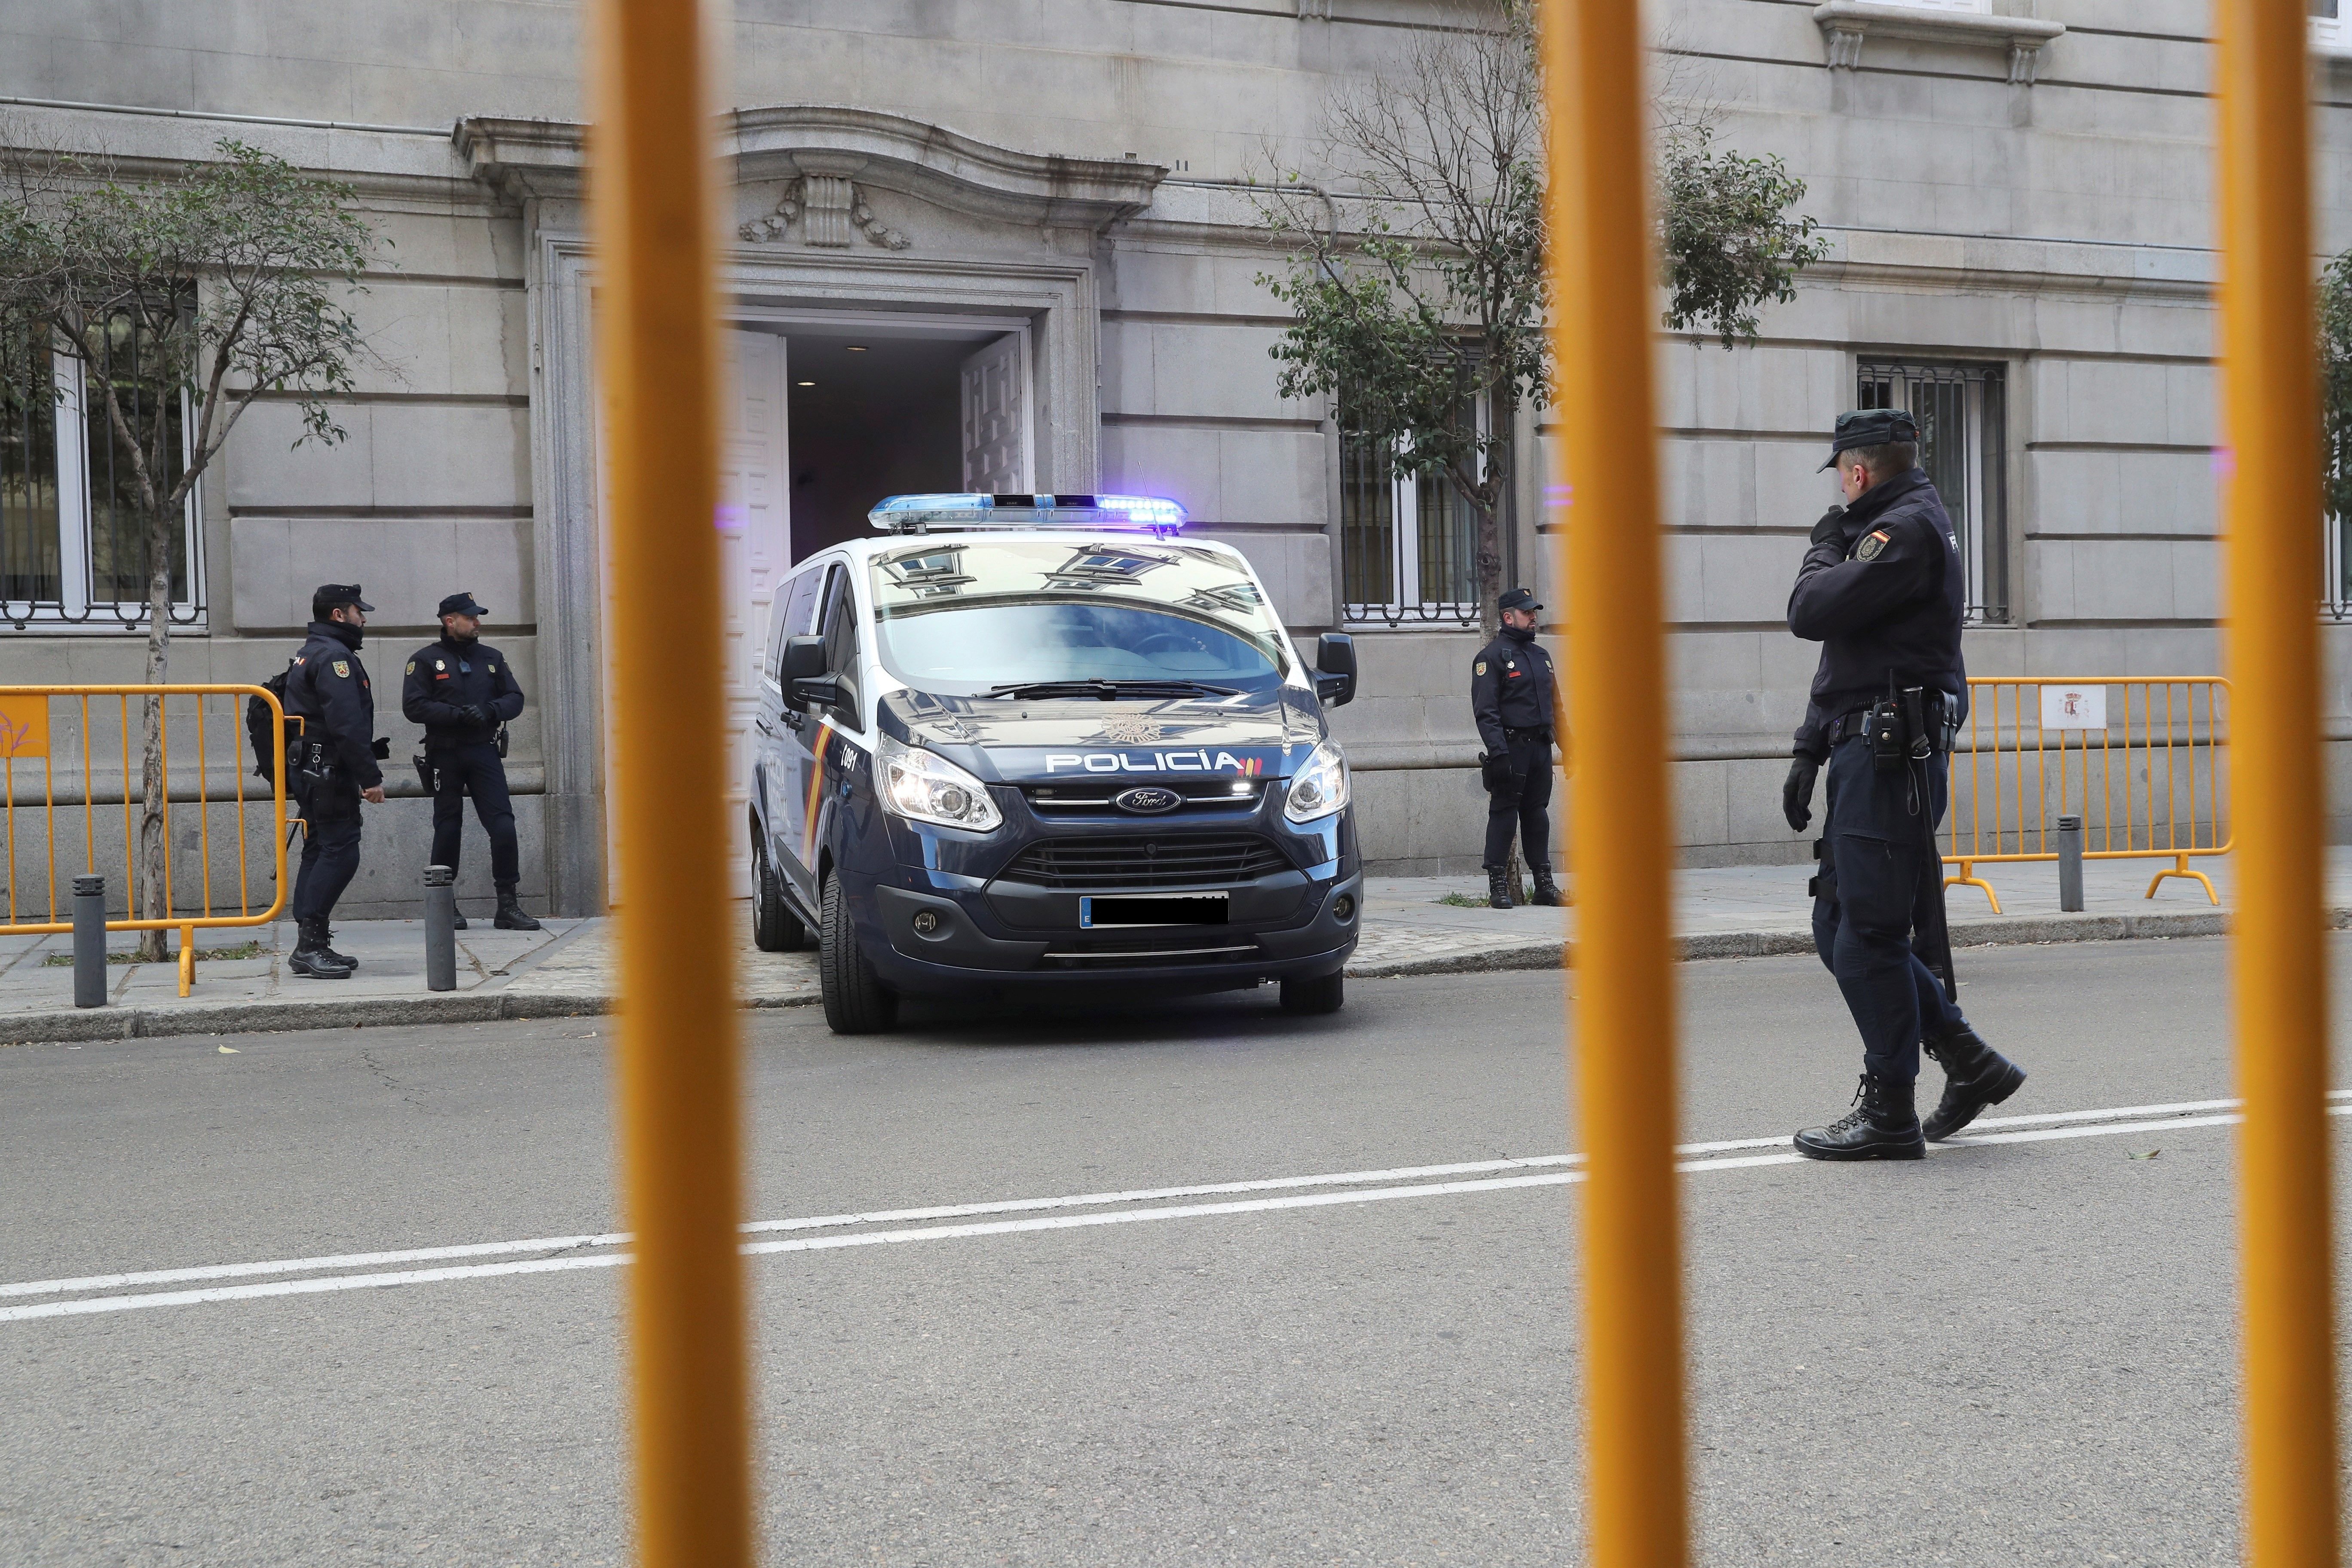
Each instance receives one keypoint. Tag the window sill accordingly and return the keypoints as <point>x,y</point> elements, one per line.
<point>1846,24</point>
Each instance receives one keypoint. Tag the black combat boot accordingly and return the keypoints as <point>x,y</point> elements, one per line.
<point>311,959</point>
<point>1974,1076</point>
<point>1548,891</point>
<point>457,917</point>
<point>1498,890</point>
<point>510,916</point>
<point>327,945</point>
<point>1882,1125</point>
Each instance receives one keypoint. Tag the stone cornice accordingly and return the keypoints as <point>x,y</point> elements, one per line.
<point>887,152</point>
<point>1846,24</point>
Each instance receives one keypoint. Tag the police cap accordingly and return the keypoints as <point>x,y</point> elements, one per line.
<point>1518,599</point>
<point>332,594</point>
<point>461,604</point>
<point>1871,428</point>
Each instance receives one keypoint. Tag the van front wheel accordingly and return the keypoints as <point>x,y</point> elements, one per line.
<point>856,1000</point>
<point>1322,994</point>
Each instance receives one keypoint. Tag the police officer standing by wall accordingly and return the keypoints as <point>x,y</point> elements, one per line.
<point>464,691</point>
<point>1880,590</point>
<point>1511,696</point>
<point>335,769</point>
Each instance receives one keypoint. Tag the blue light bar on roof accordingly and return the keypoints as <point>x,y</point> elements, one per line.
<point>926,514</point>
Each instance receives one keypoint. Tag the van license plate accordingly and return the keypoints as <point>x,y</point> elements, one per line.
<point>1189,910</point>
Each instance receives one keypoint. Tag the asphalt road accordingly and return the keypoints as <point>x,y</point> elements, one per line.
<point>2015,1353</point>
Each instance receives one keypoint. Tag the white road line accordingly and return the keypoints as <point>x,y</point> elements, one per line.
<point>2072,1124</point>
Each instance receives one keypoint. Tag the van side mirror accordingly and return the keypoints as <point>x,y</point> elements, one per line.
<point>1335,669</point>
<point>806,681</point>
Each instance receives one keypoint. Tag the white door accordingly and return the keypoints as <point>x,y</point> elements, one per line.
<point>754,550</point>
<point>996,418</point>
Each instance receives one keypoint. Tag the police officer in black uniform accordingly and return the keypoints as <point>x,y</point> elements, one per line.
<point>1511,696</point>
<point>464,691</point>
<point>1880,590</point>
<point>326,687</point>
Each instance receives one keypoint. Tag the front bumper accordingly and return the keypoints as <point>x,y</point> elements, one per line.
<point>967,949</point>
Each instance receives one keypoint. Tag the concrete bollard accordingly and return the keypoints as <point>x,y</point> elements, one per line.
<point>90,941</point>
<point>440,928</point>
<point>2069,863</point>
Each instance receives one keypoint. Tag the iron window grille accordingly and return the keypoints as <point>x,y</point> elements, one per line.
<point>73,537</point>
<point>1409,545</point>
<point>1964,447</point>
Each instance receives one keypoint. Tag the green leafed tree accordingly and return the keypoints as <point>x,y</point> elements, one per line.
<point>1415,277</point>
<point>177,299</point>
<point>2336,412</point>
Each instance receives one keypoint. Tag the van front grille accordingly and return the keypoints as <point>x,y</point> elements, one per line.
<point>1167,861</point>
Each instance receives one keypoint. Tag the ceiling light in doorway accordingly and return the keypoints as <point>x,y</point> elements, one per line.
<point>856,348</point>
<point>803,383</point>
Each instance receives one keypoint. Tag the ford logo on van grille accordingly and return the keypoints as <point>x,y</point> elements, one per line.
<point>1147,799</point>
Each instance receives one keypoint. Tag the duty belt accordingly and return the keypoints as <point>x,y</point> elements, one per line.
<point>1510,734</point>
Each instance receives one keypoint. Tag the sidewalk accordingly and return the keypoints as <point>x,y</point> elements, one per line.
<point>566,970</point>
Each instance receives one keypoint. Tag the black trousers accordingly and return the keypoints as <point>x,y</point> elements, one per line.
<point>1876,883</point>
<point>478,771</point>
<point>1524,803</point>
<point>331,848</point>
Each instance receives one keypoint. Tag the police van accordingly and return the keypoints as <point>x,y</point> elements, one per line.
<point>1044,745</point>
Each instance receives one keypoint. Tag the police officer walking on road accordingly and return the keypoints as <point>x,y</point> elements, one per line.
<point>326,687</point>
<point>1880,590</point>
<point>1511,696</point>
<point>464,691</point>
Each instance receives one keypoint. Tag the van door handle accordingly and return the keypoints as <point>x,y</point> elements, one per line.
<point>792,720</point>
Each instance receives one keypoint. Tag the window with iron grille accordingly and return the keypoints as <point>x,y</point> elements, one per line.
<point>1409,546</point>
<point>1963,446</point>
<point>73,536</point>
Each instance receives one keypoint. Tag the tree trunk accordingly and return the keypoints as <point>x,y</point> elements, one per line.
<point>154,848</point>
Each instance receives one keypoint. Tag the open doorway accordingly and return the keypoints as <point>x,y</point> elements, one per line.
<point>875,410</point>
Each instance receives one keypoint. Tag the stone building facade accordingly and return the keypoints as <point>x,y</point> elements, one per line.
<point>1002,244</point>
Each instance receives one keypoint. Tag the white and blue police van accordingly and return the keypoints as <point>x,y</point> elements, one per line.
<point>1035,746</point>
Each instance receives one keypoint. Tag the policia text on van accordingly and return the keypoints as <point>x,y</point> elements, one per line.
<point>1024,744</point>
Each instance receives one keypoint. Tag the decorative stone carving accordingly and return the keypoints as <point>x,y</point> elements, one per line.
<point>1846,24</point>
<point>833,210</point>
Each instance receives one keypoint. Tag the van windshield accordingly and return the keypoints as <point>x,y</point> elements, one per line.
<point>964,616</point>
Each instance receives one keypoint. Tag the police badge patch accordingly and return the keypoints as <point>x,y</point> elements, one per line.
<point>343,668</point>
<point>1479,667</point>
<point>412,668</point>
<point>1872,543</point>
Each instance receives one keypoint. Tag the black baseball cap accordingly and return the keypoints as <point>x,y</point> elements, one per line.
<point>1518,599</point>
<point>330,595</point>
<point>461,604</point>
<point>1870,427</point>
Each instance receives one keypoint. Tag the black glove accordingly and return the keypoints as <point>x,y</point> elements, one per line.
<point>1831,530</point>
<point>1495,769</point>
<point>381,747</point>
<point>1797,795</point>
<point>475,713</point>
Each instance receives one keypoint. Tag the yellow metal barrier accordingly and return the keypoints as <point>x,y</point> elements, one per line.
<point>2270,448</point>
<point>103,752</point>
<point>2142,768</point>
<point>1622,815</point>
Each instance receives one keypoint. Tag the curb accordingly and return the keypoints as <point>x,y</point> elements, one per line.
<point>66,1025</point>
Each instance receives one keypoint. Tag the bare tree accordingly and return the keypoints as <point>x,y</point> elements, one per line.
<point>179,299</point>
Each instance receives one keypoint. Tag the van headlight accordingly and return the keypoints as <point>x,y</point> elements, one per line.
<point>924,786</point>
<point>1319,788</point>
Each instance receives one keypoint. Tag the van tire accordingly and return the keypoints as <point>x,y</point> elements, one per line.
<point>856,1000</point>
<point>774,927</point>
<point>1318,994</point>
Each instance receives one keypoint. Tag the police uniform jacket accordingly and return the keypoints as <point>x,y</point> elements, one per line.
<point>1883,597</point>
<point>327,687</point>
<point>444,676</point>
<point>1510,688</point>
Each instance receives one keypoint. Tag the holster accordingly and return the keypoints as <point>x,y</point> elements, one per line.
<point>424,760</point>
<point>1495,769</point>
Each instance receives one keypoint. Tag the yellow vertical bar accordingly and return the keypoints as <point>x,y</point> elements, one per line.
<point>2171,835</point>
<point>49,812</point>
<point>277,802</point>
<point>89,793</point>
<point>130,847</point>
<point>187,959</point>
<point>2106,779</point>
<point>163,738</point>
<point>204,803</point>
<point>11,811</point>
<point>243,885</point>
<point>1621,836</point>
<point>2270,504</point>
<point>652,213</point>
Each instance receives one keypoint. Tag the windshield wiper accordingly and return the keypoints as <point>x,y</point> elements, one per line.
<point>1111,690</point>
